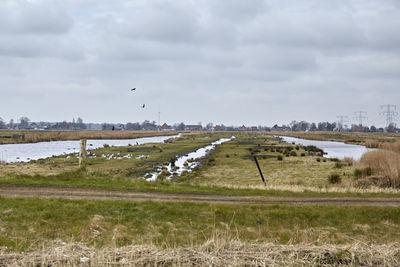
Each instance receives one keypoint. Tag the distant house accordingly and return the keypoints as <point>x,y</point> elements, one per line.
<point>165,127</point>
<point>242,128</point>
<point>33,126</point>
<point>254,128</point>
<point>119,127</point>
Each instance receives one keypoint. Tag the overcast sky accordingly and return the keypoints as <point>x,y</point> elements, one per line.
<point>230,61</point>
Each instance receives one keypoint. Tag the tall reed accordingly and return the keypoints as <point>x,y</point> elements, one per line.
<point>384,164</point>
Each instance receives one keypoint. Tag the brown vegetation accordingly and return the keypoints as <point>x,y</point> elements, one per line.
<point>211,253</point>
<point>384,164</point>
<point>371,143</point>
<point>395,146</point>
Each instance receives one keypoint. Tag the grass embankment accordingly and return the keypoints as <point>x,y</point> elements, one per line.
<point>16,137</point>
<point>26,224</point>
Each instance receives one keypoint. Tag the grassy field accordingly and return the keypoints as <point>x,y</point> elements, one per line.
<point>234,165</point>
<point>290,170</point>
<point>26,224</point>
<point>227,169</point>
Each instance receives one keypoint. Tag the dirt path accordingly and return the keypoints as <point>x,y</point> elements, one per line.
<point>101,194</point>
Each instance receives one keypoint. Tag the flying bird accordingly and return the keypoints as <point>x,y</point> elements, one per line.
<point>133,89</point>
<point>143,105</point>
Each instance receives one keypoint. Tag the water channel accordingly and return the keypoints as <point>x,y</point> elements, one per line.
<point>191,160</point>
<point>332,149</point>
<point>34,151</point>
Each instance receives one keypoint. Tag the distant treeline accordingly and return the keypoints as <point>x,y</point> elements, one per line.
<point>24,123</point>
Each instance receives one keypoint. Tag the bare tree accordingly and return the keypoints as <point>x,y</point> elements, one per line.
<point>24,123</point>
<point>2,124</point>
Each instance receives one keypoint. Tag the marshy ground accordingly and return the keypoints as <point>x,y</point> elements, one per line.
<point>219,206</point>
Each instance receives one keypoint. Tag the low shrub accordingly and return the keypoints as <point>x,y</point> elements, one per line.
<point>303,154</point>
<point>279,157</point>
<point>338,165</point>
<point>211,161</point>
<point>293,153</point>
<point>360,173</point>
<point>334,178</point>
<point>313,149</point>
<point>348,161</point>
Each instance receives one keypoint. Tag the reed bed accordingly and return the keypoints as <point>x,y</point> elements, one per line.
<point>211,253</point>
<point>395,146</point>
<point>384,164</point>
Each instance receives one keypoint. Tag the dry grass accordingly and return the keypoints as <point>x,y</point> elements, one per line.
<point>211,253</point>
<point>385,165</point>
<point>344,188</point>
<point>395,147</point>
<point>372,143</point>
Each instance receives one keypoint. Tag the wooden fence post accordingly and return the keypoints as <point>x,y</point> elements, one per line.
<point>259,169</point>
<point>82,153</point>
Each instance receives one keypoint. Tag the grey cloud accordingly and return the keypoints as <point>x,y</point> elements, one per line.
<point>237,10</point>
<point>34,17</point>
<point>232,62</point>
<point>36,46</point>
<point>168,21</point>
<point>321,32</point>
<point>32,29</point>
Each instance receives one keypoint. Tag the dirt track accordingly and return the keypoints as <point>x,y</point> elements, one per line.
<point>100,194</point>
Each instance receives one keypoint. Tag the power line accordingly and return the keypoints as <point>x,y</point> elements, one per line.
<point>341,120</point>
<point>389,113</point>
<point>159,125</point>
<point>360,116</point>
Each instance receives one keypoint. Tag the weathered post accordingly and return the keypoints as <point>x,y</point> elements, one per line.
<point>259,169</point>
<point>82,153</point>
